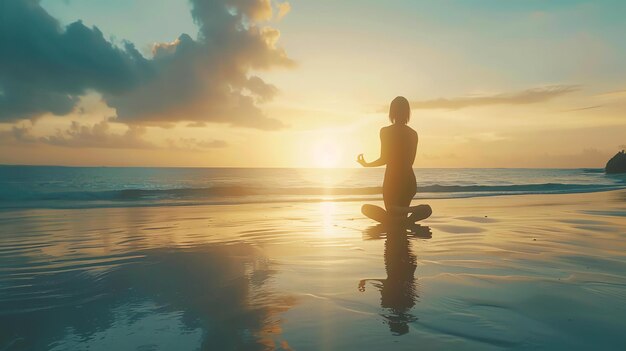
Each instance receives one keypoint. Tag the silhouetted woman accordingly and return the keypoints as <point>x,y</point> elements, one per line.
<point>398,144</point>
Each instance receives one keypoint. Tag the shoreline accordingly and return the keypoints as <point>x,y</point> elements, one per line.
<point>77,205</point>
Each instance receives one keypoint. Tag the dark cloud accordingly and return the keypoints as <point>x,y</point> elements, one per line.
<point>45,68</point>
<point>529,96</point>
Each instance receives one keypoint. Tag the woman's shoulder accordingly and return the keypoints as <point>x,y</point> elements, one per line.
<point>397,129</point>
<point>411,133</point>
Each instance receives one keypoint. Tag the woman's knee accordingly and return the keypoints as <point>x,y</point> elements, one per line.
<point>426,209</point>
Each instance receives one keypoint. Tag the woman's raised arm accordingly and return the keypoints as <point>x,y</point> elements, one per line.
<point>382,159</point>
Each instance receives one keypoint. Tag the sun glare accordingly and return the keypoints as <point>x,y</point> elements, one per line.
<point>325,154</point>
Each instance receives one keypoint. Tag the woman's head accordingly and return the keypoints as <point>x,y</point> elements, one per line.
<point>399,111</point>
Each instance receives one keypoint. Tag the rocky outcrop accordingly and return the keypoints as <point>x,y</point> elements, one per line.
<point>617,164</point>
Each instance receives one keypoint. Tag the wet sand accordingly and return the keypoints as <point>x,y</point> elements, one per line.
<point>512,272</point>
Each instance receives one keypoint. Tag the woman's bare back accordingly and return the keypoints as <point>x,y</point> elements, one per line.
<point>398,146</point>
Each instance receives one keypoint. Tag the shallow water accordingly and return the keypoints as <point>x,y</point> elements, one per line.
<point>525,272</point>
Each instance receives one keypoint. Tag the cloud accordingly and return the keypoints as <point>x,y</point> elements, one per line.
<point>263,91</point>
<point>196,125</point>
<point>529,96</point>
<point>283,9</point>
<point>615,94</point>
<point>17,134</point>
<point>45,68</point>
<point>584,108</point>
<point>100,135</point>
<point>193,144</point>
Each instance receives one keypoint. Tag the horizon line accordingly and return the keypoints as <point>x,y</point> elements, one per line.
<point>270,167</point>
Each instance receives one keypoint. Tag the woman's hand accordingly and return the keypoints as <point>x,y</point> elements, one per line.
<point>361,160</point>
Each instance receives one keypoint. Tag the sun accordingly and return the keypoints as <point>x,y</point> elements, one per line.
<point>326,154</point>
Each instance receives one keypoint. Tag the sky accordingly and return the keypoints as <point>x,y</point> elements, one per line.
<point>263,83</point>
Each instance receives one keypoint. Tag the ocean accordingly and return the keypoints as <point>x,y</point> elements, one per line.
<point>91,187</point>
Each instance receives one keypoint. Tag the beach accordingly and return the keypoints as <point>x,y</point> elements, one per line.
<point>520,272</point>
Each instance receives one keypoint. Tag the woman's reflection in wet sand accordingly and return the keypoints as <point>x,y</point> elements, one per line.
<point>398,292</point>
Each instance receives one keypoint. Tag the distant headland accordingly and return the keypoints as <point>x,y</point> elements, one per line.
<point>617,164</point>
